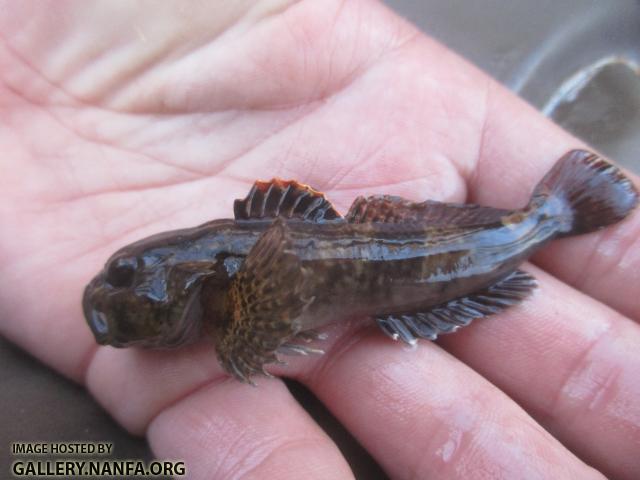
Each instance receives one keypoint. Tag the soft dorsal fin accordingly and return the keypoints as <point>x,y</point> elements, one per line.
<point>393,209</point>
<point>284,198</point>
<point>450,316</point>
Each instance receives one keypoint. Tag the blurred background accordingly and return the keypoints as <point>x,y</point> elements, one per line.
<point>578,61</point>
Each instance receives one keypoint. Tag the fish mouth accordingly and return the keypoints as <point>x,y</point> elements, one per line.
<point>97,320</point>
<point>171,327</point>
<point>99,326</point>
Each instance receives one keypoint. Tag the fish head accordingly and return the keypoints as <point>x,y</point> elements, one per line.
<point>148,295</point>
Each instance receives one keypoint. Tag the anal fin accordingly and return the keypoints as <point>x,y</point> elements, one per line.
<point>450,316</point>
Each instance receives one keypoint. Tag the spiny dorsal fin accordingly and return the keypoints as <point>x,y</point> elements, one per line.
<point>393,209</point>
<point>450,316</point>
<point>284,198</point>
<point>264,299</point>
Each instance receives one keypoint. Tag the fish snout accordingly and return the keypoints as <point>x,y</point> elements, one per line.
<point>99,326</point>
<point>97,320</point>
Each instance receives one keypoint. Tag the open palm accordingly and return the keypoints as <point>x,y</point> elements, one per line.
<point>117,122</point>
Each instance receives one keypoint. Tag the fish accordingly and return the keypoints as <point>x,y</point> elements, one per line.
<point>263,284</point>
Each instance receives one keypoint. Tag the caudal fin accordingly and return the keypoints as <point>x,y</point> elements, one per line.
<point>586,192</point>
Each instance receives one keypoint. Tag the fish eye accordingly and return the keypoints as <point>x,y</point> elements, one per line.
<point>121,272</point>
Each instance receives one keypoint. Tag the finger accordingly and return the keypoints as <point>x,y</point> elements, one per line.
<point>424,414</point>
<point>605,265</point>
<point>519,146</point>
<point>570,361</point>
<point>232,430</point>
<point>134,385</point>
<point>219,427</point>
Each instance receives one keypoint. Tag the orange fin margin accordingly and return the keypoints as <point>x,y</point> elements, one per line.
<point>284,198</point>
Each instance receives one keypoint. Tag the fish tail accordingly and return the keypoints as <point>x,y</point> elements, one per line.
<point>585,193</point>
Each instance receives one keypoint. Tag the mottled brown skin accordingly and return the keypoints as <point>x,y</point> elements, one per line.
<point>289,264</point>
<point>361,266</point>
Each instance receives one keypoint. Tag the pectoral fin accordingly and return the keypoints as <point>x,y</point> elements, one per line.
<point>450,316</point>
<point>264,300</point>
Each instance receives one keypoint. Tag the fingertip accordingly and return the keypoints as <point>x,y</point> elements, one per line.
<point>234,430</point>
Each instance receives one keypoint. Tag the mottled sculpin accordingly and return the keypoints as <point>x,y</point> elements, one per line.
<point>262,283</point>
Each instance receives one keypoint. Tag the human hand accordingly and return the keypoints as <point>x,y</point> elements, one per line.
<point>118,124</point>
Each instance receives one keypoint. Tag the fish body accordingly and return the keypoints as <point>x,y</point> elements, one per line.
<point>288,263</point>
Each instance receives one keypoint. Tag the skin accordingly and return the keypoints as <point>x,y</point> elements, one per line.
<point>116,129</point>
